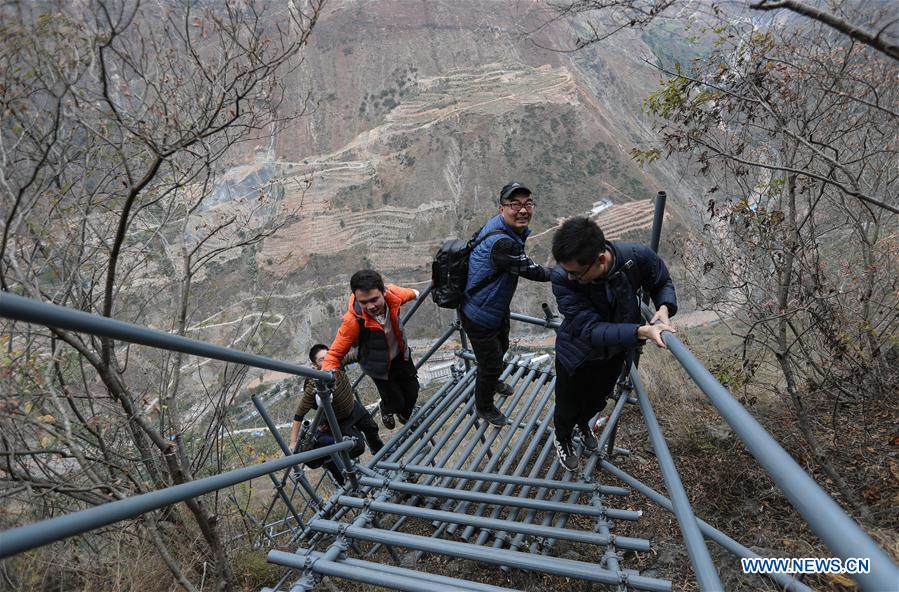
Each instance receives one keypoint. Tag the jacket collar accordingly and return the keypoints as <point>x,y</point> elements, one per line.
<point>499,223</point>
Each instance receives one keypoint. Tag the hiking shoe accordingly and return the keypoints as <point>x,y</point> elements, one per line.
<point>503,389</point>
<point>591,444</point>
<point>567,456</point>
<point>403,419</point>
<point>387,420</point>
<point>492,416</point>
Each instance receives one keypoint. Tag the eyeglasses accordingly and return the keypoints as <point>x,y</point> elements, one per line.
<point>577,276</point>
<point>516,206</point>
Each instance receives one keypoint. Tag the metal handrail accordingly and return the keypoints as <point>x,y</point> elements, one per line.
<point>693,540</point>
<point>19,308</point>
<point>35,535</point>
<point>840,533</point>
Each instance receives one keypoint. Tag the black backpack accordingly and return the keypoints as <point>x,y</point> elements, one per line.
<point>449,271</point>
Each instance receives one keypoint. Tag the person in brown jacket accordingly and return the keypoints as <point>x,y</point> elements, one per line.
<point>354,421</point>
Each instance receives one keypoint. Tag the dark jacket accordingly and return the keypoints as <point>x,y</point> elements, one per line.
<point>601,318</point>
<point>501,255</point>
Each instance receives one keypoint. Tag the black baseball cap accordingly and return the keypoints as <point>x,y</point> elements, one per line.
<point>507,191</point>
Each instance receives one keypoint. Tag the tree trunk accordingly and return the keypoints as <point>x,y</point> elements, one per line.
<point>808,434</point>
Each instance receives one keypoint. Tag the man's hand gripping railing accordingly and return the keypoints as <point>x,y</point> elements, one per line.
<point>840,533</point>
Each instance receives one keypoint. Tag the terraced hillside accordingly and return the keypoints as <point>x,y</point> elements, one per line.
<point>423,111</point>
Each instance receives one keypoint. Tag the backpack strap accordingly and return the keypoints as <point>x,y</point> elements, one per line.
<point>363,330</point>
<point>475,241</point>
<point>632,270</point>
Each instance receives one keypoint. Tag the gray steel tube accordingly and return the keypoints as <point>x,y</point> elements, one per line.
<point>270,424</point>
<point>481,435</point>
<point>527,459</point>
<point>541,492</point>
<point>437,579</point>
<point>418,302</point>
<point>562,520</point>
<point>703,566</point>
<point>467,454</point>
<point>525,437</point>
<point>658,217</point>
<point>505,443</point>
<point>493,523</point>
<point>550,565</point>
<point>516,502</point>
<point>50,315</point>
<point>326,567</point>
<point>838,531</point>
<point>342,459</point>
<point>463,401</point>
<point>609,428</point>
<point>549,324</point>
<point>440,341</point>
<point>304,483</point>
<point>707,529</point>
<point>402,442</point>
<point>511,479</point>
<point>28,537</point>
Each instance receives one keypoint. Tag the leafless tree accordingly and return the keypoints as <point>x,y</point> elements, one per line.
<point>796,127</point>
<point>118,120</point>
<point>604,18</point>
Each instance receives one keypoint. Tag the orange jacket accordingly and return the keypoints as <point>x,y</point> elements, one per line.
<point>348,333</point>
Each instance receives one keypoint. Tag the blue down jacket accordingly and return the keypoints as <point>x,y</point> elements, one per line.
<point>601,318</point>
<point>490,305</point>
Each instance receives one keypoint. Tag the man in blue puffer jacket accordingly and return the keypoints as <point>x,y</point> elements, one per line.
<point>595,284</point>
<point>494,267</point>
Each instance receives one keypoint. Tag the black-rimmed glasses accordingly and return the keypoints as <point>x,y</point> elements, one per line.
<point>516,206</point>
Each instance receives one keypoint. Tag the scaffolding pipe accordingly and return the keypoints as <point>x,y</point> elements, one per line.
<point>325,567</point>
<point>548,323</point>
<point>842,535</point>
<point>557,498</point>
<point>423,295</point>
<point>51,315</point>
<point>592,538</point>
<point>508,435</point>
<point>25,538</point>
<point>474,496</point>
<point>466,454</point>
<point>785,581</point>
<point>510,479</point>
<point>466,415</point>
<point>540,493</point>
<point>519,470</point>
<point>523,438</point>
<point>440,341</point>
<point>479,435</point>
<point>419,437</point>
<point>436,579</point>
<point>703,567</point>
<point>440,401</point>
<point>495,433</point>
<point>550,565</point>
<point>408,579</point>
<point>605,436</point>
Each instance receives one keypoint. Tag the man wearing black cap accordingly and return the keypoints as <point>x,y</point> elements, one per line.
<point>494,266</point>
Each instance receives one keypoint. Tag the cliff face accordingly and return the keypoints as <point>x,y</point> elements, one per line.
<point>421,112</point>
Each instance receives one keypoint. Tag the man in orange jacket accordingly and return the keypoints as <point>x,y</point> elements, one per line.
<point>372,324</point>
